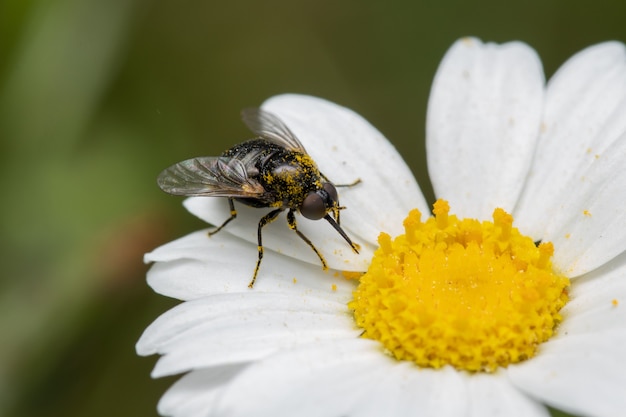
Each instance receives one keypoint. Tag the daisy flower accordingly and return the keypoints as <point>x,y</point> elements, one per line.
<point>510,298</point>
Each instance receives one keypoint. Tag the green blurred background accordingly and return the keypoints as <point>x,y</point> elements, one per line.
<point>97,96</point>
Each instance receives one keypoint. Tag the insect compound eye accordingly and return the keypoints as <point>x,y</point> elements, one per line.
<point>332,192</point>
<point>313,207</point>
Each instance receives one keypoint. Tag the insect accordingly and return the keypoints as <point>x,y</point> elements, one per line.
<point>272,170</point>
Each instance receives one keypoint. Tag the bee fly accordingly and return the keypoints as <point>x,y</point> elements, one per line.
<point>272,170</point>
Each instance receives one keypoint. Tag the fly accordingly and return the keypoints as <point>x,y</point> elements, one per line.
<point>273,170</point>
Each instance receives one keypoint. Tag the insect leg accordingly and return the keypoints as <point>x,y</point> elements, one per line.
<point>291,220</point>
<point>352,184</point>
<point>233,214</point>
<point>268,218</point>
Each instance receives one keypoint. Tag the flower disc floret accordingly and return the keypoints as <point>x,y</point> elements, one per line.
<point>474,295</point>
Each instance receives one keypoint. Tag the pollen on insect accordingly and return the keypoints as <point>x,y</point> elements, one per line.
<point>615,302</point>
<point>587,213</point>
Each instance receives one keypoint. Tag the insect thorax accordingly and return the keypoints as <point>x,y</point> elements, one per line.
<point>290,176</point>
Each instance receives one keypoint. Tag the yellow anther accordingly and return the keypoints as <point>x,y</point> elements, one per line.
<point>474,295</point>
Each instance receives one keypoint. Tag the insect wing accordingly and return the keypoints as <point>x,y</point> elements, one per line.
<point>270,127</point>
<point>210,176</point>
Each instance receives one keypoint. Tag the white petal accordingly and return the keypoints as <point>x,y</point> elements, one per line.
<point>193,246</point>
<point>346,148</point>
<point>493,395</point>
<point>196,266</point>
<point>588,225</point>
<point>483,119</point>
<point>355,378</point>
<point>585,112</point>
<point>289,383</point>
<point>233,328</point>
<point>349,378</point>
<point>597,301</point>
<point>198,317</point>
<point>405,390</point>
<point>194,395</point>
<point>579,374</point>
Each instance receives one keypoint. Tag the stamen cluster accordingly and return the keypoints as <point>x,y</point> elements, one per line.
<point>474,295</point>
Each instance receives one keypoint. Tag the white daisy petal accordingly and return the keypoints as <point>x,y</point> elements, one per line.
<point>334,379</point>
<point>483,117</point>
<point>234,328</point>
<point>196,265</point>
<point>579,374</point>
<point>404,390</point>
<point>192,246</point>
<point>198,317</point>
<point>289,383</point>
<point>588,228</point>
<point>585,112</point>
<point>195,394</point>
<point>493,395</point>
<point>597,302</point>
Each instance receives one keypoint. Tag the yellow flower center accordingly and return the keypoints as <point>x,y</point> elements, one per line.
<point>474,295</point>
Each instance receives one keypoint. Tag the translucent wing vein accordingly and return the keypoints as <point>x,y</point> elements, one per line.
<point>210,176</point>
